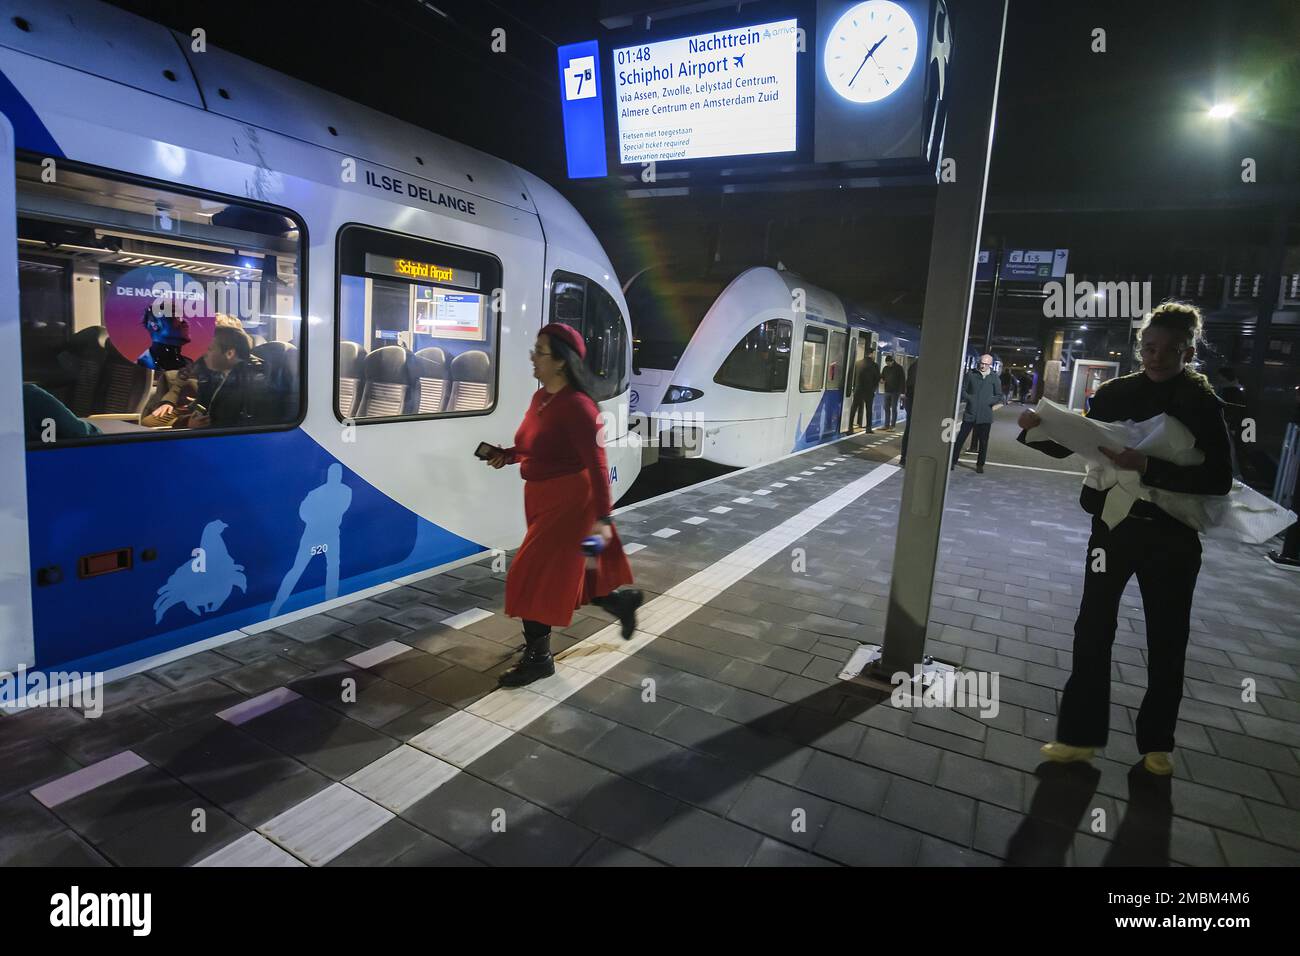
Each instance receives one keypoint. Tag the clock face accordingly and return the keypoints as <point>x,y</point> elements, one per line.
<point>870,51</point>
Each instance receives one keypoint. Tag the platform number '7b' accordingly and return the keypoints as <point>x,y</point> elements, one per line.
<point>580,78</point>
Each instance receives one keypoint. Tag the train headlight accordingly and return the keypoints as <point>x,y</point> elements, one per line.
<point>680,393</point>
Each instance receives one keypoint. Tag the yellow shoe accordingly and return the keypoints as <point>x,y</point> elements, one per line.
<point>1159,763</point>
<point>1064,753</point>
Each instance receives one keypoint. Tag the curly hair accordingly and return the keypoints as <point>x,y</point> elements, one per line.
<point>1181,318</point>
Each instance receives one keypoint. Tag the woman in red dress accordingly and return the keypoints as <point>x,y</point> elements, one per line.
<point>566,499</point>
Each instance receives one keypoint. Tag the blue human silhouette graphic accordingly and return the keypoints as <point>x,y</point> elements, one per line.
<point>322,514</point>
<point>203,589</point>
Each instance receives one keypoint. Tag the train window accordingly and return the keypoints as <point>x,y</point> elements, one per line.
<point>859,354</point>
<point>761,361</point>
<point>581,303</point>
<point>835,366</point>
<point>147,312</point>
<point>812,368</point>
<point>417,327</point>
<point>568,300</point>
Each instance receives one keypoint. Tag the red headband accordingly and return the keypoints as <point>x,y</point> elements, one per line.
<point>568,335</point>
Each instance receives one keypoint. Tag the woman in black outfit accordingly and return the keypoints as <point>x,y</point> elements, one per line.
<point>1164,553</point>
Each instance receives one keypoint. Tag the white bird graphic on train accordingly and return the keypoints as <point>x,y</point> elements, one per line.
<point>204,583</point>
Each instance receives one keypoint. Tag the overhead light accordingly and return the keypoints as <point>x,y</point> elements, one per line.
<point>1222,110</point>
<point>1083,328</point>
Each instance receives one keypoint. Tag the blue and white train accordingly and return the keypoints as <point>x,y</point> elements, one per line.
<point>742,372</point>
<point>392,282</point>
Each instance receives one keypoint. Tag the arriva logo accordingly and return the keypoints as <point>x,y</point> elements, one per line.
<point>613,475</point>
<point>633,400</point>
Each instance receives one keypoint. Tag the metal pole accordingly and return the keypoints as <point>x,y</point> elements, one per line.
<point>993,305</point>
<point>978,30</point>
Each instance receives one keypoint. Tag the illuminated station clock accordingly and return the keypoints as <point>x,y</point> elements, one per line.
<point>870,51</point>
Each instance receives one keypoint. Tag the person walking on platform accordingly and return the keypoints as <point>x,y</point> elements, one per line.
<point>1164,553</point>
<point>892,377</point>
<point>909,397</point>
<point>864,391</point>
<point>979,390</point>
<point>566,500</point>
<point>1006,380</point>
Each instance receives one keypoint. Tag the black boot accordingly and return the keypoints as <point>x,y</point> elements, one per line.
<point>536,663</point>
<point>622,604</point>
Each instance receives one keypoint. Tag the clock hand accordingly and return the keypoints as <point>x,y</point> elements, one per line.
<point>859,69</point>
<point>867,57</point>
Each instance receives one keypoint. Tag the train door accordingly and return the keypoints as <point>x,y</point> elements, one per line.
<point>857,349</point>
<point>837,369</point>
<point>578,300</point>
<point>16,642</point>
<point>873,346</point>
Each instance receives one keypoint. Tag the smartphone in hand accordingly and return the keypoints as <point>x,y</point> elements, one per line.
<point>486,451</point>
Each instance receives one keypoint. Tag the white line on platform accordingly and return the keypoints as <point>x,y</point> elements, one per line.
<point>710,481</point>
<point>80,782</point>
<point>465,618</point>
<point>666,532</point>
<point>327,824</point>
<point>400,778</point>
<point>633,548</point>
<point>695,520</point>
<point>247,710</point>
<point>741,501</point>
<point>377,655</point>
<point>1051,471</point>
<point>765,491</point>
<point>251,849</point>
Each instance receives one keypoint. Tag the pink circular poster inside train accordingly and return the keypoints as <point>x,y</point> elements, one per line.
<point>183,308</point>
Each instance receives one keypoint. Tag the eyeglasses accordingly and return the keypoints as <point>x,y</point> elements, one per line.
<point>533,353</point>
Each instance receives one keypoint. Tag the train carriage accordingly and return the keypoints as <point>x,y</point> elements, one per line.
<point>742,372</point>
<point>389,280</point>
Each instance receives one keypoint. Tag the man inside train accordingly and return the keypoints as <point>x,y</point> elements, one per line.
<point>237,393</point>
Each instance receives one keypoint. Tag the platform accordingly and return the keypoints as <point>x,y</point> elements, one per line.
<point>721,734</point>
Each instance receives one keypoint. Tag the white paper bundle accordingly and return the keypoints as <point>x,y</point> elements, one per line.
<point>1243,514</point>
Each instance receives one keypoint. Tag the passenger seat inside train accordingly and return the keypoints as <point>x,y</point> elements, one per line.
<point>393,382</point>
<point>97,383</point>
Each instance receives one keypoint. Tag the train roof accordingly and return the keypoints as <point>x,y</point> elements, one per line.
<point>116,45</point>
<point>886,325</point>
